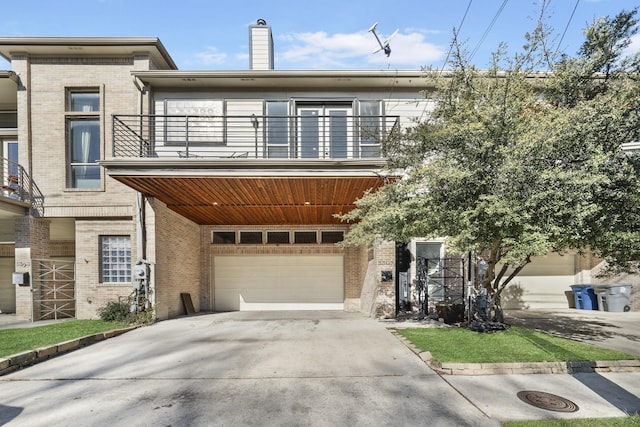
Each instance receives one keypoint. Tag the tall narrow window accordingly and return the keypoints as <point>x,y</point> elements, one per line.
<point>115,259</point>
<point>83,139</point>
<point>277,128</point>
<point>370,128</point>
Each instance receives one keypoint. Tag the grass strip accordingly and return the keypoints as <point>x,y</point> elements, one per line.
<point>13,341</point>
<point>632,421</point>
<point>516,344</point>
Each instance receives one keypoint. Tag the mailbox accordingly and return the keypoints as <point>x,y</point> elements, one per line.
<point>20,279</point>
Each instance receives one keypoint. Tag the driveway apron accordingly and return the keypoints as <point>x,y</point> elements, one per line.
<point>241,368</point>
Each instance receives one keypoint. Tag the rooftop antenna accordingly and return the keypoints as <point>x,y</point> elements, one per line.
<point>384,46</point>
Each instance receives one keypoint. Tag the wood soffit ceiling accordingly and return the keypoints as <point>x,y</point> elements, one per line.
<point>221,200</point>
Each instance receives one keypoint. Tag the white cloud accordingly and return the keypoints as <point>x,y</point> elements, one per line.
<point>634,47</point>
<point>320,50</point>
<point>211,56</point>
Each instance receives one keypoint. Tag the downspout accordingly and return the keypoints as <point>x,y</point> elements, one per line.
<point>29,133</point>
<point>141,224</point>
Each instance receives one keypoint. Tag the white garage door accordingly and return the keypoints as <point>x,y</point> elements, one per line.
<point>542,283</point>
<point>269,282</point>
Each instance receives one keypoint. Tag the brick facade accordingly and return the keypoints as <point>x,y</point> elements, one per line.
<point>32,243</point>
<point>174,250</point>
<point>91,294</point>
<point>104,211</point>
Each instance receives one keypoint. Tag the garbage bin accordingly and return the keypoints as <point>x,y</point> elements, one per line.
<point>613,296</point>
<point>585,297</point>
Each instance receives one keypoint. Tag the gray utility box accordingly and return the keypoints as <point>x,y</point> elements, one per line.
<point>613,296</point>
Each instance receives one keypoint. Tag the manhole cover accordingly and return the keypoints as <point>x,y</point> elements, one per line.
<point>547,401</point>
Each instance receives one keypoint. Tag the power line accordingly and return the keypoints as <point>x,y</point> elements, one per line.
<point>444,64</point>
<point>567,26</point>
<point>486,32</point>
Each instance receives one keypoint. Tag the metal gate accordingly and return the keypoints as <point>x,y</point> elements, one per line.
<point>440,286</point>
<point>53,289</point>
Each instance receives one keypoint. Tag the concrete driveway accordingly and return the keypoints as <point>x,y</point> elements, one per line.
<point>616,331</point>
<point>243,368</point>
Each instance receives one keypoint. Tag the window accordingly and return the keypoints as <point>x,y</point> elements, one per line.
<point>305,237</point>
<point>277,128</point>
<point>332,236</point>
<point>278,237</point>
<point>370,128</point>
<point>83,139</point>
<point>251,237</point>
<point>115,259</point>
<point>194,122</point>
<point>224,238</point>
<point>8,119</point>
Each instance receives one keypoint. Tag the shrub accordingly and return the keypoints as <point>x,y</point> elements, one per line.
<point>116,311</point>
<point>120,312</point>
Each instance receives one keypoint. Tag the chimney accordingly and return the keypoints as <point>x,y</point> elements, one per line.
<point>260,46</point>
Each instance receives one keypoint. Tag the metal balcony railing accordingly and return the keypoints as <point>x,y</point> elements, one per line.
<point>18,186</point>
<point>307,136</point>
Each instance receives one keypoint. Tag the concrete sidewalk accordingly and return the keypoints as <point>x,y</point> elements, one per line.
<point>592,395</point>
<point>9,321</point>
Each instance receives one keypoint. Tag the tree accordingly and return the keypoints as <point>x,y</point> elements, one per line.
<point>514,162</point>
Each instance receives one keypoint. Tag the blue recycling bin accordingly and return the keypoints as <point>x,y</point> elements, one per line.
<point>585,297</point>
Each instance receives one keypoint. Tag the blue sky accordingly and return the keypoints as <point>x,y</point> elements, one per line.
<point>328,34</point>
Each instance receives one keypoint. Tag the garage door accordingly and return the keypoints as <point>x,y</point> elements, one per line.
<point>542,283</point>
<point>266,282</point>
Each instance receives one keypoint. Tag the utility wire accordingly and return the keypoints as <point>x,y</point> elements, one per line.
<point>486,32</point>
<point>444,64</point>
<point>567,26</point>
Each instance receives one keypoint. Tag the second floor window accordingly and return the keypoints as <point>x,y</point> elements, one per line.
<point>83,139</point>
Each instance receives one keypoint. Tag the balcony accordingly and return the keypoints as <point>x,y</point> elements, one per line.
<point>307,136</point>
<point>17,188</point>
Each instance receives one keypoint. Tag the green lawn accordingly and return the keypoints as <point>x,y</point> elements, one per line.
<point>633,421</point>
<point>14,341</point>
<point>459,345</point>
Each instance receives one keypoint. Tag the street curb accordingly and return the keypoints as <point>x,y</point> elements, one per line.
<point>520,367</point>
<point>31,357</point>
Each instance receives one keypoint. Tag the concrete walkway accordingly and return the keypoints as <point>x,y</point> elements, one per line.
<point>291,368</point>
<point>9,321</point>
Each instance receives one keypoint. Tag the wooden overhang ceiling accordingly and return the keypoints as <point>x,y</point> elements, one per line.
<point>252,197</point>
